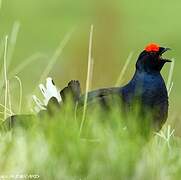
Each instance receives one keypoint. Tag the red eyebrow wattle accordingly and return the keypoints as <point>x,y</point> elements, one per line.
<point>152,47</point>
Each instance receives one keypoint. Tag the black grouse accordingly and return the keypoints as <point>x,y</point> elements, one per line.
<point>147,88</point>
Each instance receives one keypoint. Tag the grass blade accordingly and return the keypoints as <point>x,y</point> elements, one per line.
<point>120,78</point>
<point>89,77</point>
<point>11,46</point>
<point>26,63</point>
<point>5,75</point>
<point>55,56</point>
<point>12,42</point>
<point>9,98</point>
<point>170,75</point>
<point>20,93</point>
<point>0,4</point>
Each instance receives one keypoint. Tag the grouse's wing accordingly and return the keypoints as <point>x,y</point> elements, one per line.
<point>101,96</point>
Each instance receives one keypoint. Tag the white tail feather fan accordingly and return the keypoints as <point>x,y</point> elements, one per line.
<point>48,91</point>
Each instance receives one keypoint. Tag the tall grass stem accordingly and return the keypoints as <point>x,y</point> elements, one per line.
<point>9,99</point>
<point>170,75</point>
<point>89,77</point>
<point>5,75</point>
<point>55,56</point>
<point>121,75</point>
<point>26,62</point>
<point>20,93</point>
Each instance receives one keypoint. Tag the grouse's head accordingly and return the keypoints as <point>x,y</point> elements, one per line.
<point>151,60</point>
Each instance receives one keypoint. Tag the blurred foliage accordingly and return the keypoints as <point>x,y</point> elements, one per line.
<point>53,148</point>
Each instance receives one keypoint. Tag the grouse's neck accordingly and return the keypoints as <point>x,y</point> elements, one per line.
<point>147,85</point>
<point>147,78</point>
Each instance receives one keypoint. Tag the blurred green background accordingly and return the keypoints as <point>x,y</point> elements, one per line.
<point>120,27</point>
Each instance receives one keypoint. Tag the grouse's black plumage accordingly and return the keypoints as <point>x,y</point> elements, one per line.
<point>147,88</point>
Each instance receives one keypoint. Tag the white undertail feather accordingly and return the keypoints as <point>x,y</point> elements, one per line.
<point>48,91</point>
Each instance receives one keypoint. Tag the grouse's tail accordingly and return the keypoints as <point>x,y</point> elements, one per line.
<point>72,90</point>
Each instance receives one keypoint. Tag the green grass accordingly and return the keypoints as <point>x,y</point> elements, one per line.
<point>54,149</point>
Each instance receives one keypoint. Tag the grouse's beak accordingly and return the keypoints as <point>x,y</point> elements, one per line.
<point>163,50</point>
